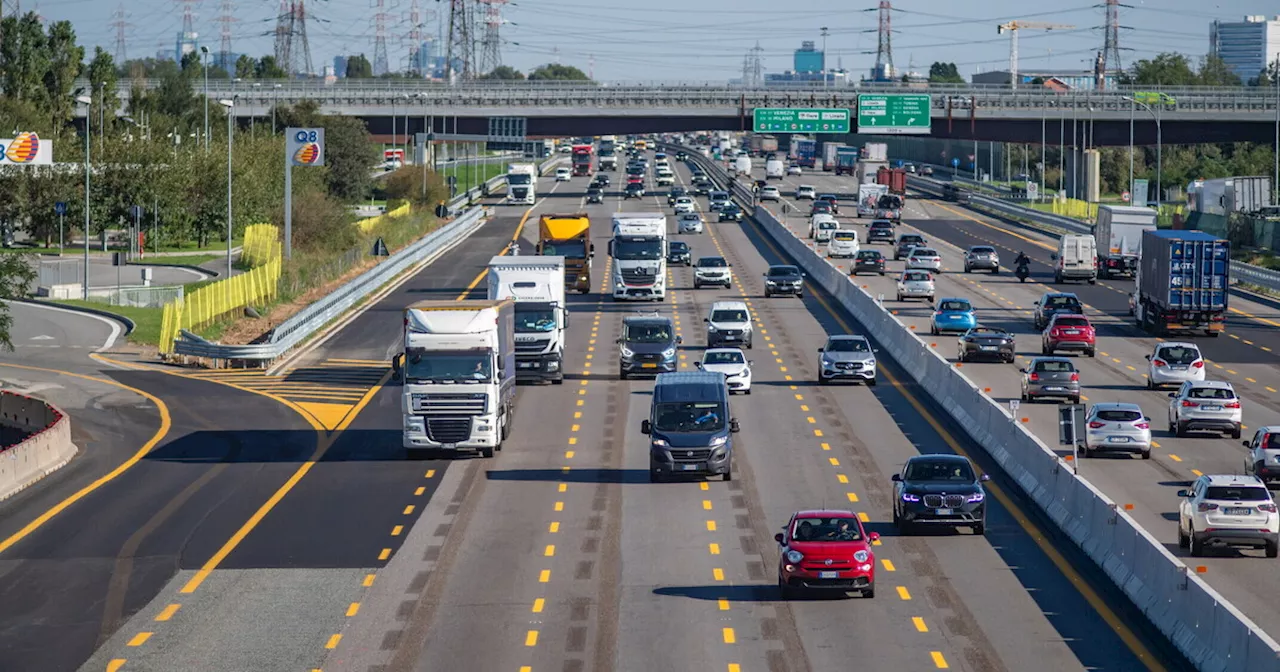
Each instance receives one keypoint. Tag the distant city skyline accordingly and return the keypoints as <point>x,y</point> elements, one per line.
<point>666,40</point>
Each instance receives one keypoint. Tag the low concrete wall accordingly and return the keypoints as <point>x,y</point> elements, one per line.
<point>47,448</point>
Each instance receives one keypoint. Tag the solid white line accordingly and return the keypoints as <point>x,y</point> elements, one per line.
<point>116,329</point>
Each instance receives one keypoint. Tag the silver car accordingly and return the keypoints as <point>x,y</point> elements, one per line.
<point>1174,364</point>
<point>847,358</point>
<point>1117,427</point>
<point>690,222</point>
<point>925,258</point>
<point>982,258</point>
<point>916,285</point>
<point>1050,377</point>
<point>1210,405</point>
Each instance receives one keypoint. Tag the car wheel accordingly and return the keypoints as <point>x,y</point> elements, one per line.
<point>1273,549</point>
<point>728,475</point>
<point>697,286</point>
<point>1085,452</point>
<point>1197,546</point>
<point>747,391</point>
<point>980,529</point>
<point>1235,433</point>
<point>1075,400</point>
<point>1146,454</point>
<point>655,476</point>
<point>622,373</point>
<point>1173,428</point>
<point>899,298</point>
<point>870,593</point>
<point>1091,352</point>
<point>871,382</point>
<point>1044,349</point>
<point>784,591</point>
<point>1180,430</point>
<point>966,269</point>
<point>1150,385</point>
<point>1183,540</point>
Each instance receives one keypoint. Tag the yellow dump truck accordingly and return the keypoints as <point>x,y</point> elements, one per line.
<point>569,236</point>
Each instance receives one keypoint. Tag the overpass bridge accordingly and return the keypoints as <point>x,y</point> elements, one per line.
<point>552,109</point>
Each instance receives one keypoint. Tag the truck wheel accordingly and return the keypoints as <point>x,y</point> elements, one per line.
<point>1093,281</point>
<point>486,452</point>
<point>622,373</point>
<point>557,381</point>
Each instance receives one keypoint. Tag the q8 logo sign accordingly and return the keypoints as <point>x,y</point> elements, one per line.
<point>304,146</point>
<point>25,150</point>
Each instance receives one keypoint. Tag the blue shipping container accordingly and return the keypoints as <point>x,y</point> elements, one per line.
<point>1195,264</point>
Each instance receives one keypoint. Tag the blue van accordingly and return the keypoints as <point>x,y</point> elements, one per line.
<point>690,426</point>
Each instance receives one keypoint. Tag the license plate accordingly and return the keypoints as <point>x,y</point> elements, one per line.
<point>988,347</point>
<point>524,365</point>
<point>1211,408</point>
<point>1179,367</point>
<point>828,575</point>
<point>944,512</point>
<point>688,467</point>
<point>648,366</point>
<point>1073,332</point>
<point>449,446</point>
<point>731,338</point>
<point>954,317</point>
<point>1055,389</point>
<point>1118,439</point>
<point>1237,511</point>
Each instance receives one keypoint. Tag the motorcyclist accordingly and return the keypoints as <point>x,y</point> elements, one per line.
<point>1022,260</point>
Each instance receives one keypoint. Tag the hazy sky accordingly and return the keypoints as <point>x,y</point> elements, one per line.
<point>691,39</point>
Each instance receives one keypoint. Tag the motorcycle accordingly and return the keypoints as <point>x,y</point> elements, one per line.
<point>1024,270</point>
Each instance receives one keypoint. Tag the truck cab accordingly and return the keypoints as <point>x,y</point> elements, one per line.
<point>569,236</point>
<point>639,252</point>
<point>522,180</point>
<point>690,426</point>
<point>536,284</point>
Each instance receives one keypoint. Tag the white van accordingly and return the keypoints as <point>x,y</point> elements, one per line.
<point>844,243</point>
<point>821,226</point>
<point>742,165</point>
<point>1076,259</point>
<point>774,169</point>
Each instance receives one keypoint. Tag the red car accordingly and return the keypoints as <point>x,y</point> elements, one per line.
<point>826,550</point>
<point>1069,332</point>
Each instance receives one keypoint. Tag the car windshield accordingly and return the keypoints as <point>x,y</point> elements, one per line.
<point>915,276</point>
<point>539,320</point>
<point>820,206</point>
<point>827,197</point>
<point>1237,493</point>
<point>827,225</point>
<point>689,416</point>
<point>939,470</point>
<point>846,235</point>
<point>729,315</point>
<point>648,333</point>
<point>1054,366</point>
<point>783,271</point>
<point>1210,393</point>
<point>730,207</point>
<point>881,224</point>
<point>437,366</point>
<point>1117,415</point>
<point>987,331</point>
<point>723,357</point>
<point>982,250</point>
<point>1178,354</point>
<point>678,246</point>
<point>957,306</point>
<point>712,262</point>
<point>868,254</point>
<point>636,250</point>
<point>684,201</point>
<point>574,249</point>
<point>923,252</point>
<point>1062,302</point>
<point>719,196</point>
<point>826,529</point>
<point>911,240</point>
<point>847,345</point>
<point>1071,322</point>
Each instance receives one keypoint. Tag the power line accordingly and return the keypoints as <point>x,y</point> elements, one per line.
<point>381,64</point>
<point>226,18</point>
<point>461,47</point>
<point>120,24</point>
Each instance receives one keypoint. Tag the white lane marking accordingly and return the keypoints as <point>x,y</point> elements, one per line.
<point>116,329</point>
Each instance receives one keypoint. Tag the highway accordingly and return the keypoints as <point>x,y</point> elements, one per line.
<point>278,526</point>
<point>1246,356</point>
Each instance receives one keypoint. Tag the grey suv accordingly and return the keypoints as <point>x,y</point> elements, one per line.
<point>847,358</point>
<point>648,345</point>
<point>905,242</point>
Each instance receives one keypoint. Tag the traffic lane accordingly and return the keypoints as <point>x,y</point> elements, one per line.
<point>1064,597</point>
<point>57,337</point>
<point>84,573</point>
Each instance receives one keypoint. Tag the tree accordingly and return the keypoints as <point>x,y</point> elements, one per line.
<point>503,72</point>
<point>558,72</point>
<point>103,82</point>
<point>65,59</point>
<point>1215,72</point>
<point>349,156</point>
<point>1167,69</point>
<point>944,73</point>
<point>24,58</point>
<point>245,67</point>
<point>268,68</point>
<point>358,67</point>
<point>16,275</point>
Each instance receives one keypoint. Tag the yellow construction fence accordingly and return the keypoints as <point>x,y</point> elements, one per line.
<point>366,225</point>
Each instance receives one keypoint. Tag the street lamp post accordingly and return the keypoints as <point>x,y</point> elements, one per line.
<point>824,58</point>
<point>1155,114</point>
<point>1132,196</point>
<point>230,105</point>
<point>204,53</point>
<point>88,117</point>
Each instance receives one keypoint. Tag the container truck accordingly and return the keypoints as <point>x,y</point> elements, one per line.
<point>1182,282</point>
<point>875,151</point>
<point>829,150</point>
<point>536,284</point>
<point>608,153</point>
<point>867,171</point>
<point>806,151</point>
<point>639,253</point>
<point>569,237</point>
<point>846,160</point>
<point>894,178</point>
<point>522,182</point>
<point>1118,233</point>
<point>457,372</point>
<point>1230,194</point>
<point>762,144</point>
<point>582,158</point>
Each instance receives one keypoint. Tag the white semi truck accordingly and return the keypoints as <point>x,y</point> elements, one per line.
<point>639,253</point>
<point>457,373</point>
<point>536,284</point>
<point>522,183</point>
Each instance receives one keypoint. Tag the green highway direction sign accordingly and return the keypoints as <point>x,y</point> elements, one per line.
<point>799,120</point>
<point>893,113</point>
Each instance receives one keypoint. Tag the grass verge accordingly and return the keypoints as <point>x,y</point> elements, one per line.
<point>146,320</point>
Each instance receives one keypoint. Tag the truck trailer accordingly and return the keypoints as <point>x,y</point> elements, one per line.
<point>457,372</point>
<point>569,236</point>
<point>846,160</point>
<point>536,284</point>
<point>1182,283</point>
<point>1118,233</point>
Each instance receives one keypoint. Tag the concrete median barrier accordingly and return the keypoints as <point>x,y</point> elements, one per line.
<point>44,447</point>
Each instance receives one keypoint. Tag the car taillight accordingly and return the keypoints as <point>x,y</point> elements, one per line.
<point>1189,404</point>
<point>1142,425</point>
<point>1097,425</point>
<point>1269,508</point>
<point>1034,377</point>
<point>1206,506</point>
<point>1075,377</point>
<point>1198,365</point>
<point>1056,331</point>
<point>1158,363</point>
<point>1232,404</point>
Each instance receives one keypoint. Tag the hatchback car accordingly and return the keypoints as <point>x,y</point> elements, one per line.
<point>770,194</point>
<point>563,174</point>
<point>1071,333</point>
<point>678,253</point>
<point>847,357</point>
<point>833,200</point>
<point>881,230</point>
<point>924,258</point>
<point>689,222</point>
<point>1050,377</point>
<point>702,186</point>
<point>907,242</point>
<point>783,279</point>
<point>730,213</point>
<point>916,285</point>
<point>867,261</point>
<point>805,191</point>
<point>1263,458</point>
<point>794,170</point>
<point>1055,302</point>
<point>982,258</point>
<point>718,199</point>
<point>1228,510</point>
<point>820,208</point>
<point>986,343</point>
<point>826,550</point>
<point>712,271</point>
<point>731,362</point>
<point>684,204</point>
<point>953,315</point>
<point>1174,363</point>
<point>939,489</point>
<point>1210,405</point>
<point>1117,427</point>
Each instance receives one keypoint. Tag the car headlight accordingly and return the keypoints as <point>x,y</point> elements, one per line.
<point>712,328</point>
<point>659,443</point>
<point>625,351</point>
<point>861,556</point>
<point>794,557</point>
<point>770,282</point>
<point>669,353</point>
<point>414,423</point>
<point>583,277</point>
<point>976,497</point>
<point>908,497</point>
<point>871,362</point>
<point>718,441</point>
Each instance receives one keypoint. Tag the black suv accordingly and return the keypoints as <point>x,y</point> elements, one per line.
<point>880,230</point>
<point>635,190</point>
<point>595,195</point>
<point>868,261</point>
<point>648,345</point>
<point>675,192</point>
<point>781,279</point>
<point>602,179</point>
<point>701,186</point>
<point>939,489</point>
<point>678,253</point>
<point>730,212</point>
<point>1053,303</point>
<point>905,242</point>
<point>682,156</point>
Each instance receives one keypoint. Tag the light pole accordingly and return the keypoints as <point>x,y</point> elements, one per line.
<point>204,53</point>
<point>1129,189</point>
<point>230,105</point>
<point>1155,114</point>
<point>824,58</point>
<point>88,117</point>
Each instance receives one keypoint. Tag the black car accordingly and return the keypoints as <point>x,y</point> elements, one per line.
<point>881,230</point>
<point>648,345</point>
<point>835,202</point>
<point>868,261</point>
<point>986,343</point>
<point>674,193</point>
<point>730,212</point>
<point>939,489</point>
<point>782,279</point>
<point>678,253</point>
<point>595,195</point>
<point>821,207</point>
<point>635,190</point>
<point>602,179</point>
<point>1053,303</point>
<point>682,156</point>
<point>905,242</point>
<point>702,187</point>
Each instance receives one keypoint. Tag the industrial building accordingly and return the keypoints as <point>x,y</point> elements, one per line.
<point>1246,46</point>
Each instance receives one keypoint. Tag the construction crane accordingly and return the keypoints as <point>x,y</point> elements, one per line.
<point>1012,28</point>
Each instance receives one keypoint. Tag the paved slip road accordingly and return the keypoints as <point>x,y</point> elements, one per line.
<point>1118,373</point>
<point>44,335</point>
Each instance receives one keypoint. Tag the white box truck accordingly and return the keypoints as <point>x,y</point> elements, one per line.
<point>868,198</point>
<point>522,183</point>
<point>1118,233</point>
<point>536,284</point>
<point>639,252</point>
<point>457,373</point>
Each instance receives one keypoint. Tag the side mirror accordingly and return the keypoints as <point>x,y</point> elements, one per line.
<point>750,362</point>
<point>1245,443</point>
<point>984,478</point>
<point>397,366</point>
<point>646,427</point>
<point>734,427</point>
<point>1173,395</point>
<point>896,478</point>
<point>780,539</point>
<point>679,340</point>
<point>707,320</point>
<point>1148,357</point>
<point>1022,370</point>
<point>874,536</point>
<point>697,365</point>
<point>1184,493</point>
<point>618,341</point>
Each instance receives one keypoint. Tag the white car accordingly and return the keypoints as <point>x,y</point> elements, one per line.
<point>1210,405</point>
<point>563,174</point>
<point>916,285</point>
<point>924,258</point>
<point>684,205</point>
<point>1263,459</point>
<point>793,170</point>
<point>820,227</point>
<point>1173,364</point>
<point>770,194</point>
<point>733,364</point>
<point>712,271</point>
<point>805,191</point>
<point>1117,426</point>
<point>1228,510</point>
<point>690,222</point>
<point>843,243</point>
